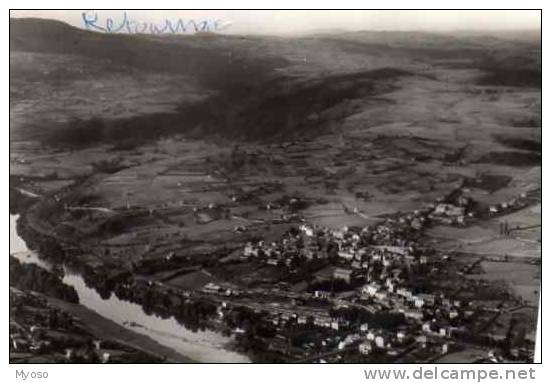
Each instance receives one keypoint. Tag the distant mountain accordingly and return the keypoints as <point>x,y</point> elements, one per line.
<point>196,55</point>
<point>261,91</point>
<point>40,35</point>
<point>461,39</point>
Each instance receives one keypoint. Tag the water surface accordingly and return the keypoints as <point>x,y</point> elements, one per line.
<point>202,346</point>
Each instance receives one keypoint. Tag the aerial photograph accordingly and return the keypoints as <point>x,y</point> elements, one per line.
<point>274,186</point>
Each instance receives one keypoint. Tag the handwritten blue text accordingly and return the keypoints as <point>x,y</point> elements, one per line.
<point>125,24</point>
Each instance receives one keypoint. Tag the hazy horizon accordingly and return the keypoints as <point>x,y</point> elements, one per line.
<point>297,22</point>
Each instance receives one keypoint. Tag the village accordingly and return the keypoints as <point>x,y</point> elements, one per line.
<point>374,293</point>
<point>369,308</point>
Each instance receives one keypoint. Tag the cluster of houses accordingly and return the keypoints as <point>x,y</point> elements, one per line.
<point>516,202</point>
<point>459,210</point>
<point>375,256</point>
<point>353,248</point>
<point>31,338</point>
<point>40,333</point>
<point>375,261</point>
<point>455,211</point>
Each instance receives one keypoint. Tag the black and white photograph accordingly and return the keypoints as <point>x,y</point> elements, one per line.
<point>275,186</point>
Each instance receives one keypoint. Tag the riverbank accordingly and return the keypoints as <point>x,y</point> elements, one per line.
<point>107,329</point>
<point>121,315</point>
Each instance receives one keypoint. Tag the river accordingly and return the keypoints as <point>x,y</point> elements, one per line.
<point>201,346</point>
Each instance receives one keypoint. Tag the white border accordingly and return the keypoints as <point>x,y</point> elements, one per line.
<point>244,373</point>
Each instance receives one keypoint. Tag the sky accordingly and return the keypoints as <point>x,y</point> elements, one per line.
<point>301,22</point>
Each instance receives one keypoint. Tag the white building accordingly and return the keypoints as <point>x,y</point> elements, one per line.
<point>365,348</point>
<point>371,289</point>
